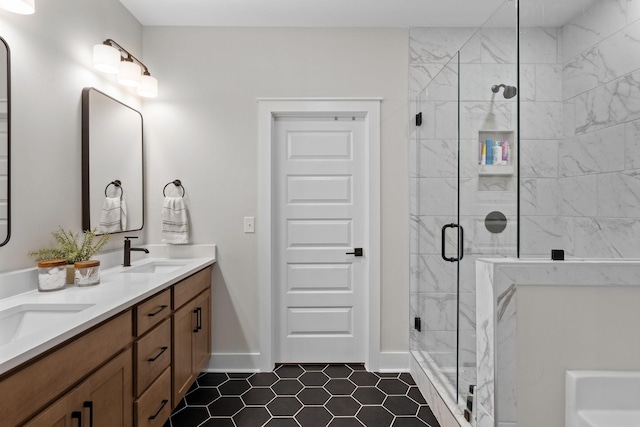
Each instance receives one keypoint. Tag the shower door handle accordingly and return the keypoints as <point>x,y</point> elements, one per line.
<point>460,242</point>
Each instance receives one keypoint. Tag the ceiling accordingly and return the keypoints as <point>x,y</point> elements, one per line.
<point>343,13</point>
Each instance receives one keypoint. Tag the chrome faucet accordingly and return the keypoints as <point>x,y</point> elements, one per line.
<point>128,249</point>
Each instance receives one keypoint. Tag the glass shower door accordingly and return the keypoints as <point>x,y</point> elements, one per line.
<point>435,292</point>
<point>465,202</point>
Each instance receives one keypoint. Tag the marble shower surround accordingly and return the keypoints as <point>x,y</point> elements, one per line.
<point>597,195</point>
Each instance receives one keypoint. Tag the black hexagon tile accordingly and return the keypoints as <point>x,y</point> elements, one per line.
<point>284,406</point>
<point>313,395</point>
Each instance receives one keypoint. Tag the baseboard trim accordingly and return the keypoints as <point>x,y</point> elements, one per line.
<point>390,361</point>
<point>234,362</point>
<point>394,361</point>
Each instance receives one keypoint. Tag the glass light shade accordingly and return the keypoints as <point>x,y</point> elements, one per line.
<point>106,59</point>
<point>148,87</point>
<point>130,74</point>
<point>23,7</point>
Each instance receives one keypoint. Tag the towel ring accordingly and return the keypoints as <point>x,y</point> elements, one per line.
<point>117,184</point>
<point>175,182</point>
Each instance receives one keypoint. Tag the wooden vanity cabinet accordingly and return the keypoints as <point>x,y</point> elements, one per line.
<point>191,331</point>
<point>35,386</point>
<point>101,400</point>
<point>129,371</point>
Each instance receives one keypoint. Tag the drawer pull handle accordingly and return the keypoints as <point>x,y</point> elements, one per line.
<point>162,350</point>
<point>77,415</point>
<point>154,416</point>
<point>196,313</point>
<point>89,404</point>
<point>162,307</point>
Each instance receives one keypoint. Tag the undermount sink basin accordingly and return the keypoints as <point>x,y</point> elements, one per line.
<point>157,267</point>
<point>21,320</point>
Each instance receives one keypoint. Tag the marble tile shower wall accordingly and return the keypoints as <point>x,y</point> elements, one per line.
<point>599,157</point>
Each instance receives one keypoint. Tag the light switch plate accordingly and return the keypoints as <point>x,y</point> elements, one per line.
<point>249,224</point>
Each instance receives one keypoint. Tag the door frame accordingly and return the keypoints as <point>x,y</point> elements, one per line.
<point>268,110</point>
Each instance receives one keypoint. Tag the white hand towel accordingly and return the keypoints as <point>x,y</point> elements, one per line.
<point>110,217</point>
<point>175,226</point>
<point>123,215</point>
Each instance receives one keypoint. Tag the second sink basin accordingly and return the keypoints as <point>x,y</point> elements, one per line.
<point>157,267</point>
<point>21,320</point>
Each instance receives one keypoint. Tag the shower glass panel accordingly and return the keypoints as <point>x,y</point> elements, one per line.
<point>488,189</point>
<point>465,197</point>
<point>436,185</point>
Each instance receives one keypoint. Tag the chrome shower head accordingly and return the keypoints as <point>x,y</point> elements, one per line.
<point>509,91</point>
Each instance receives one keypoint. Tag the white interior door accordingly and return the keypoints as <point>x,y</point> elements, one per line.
<point>319,202</point>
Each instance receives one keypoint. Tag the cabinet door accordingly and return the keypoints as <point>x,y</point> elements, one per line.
<point>184,325</point>
<point>109,399</point>
<point>202,338</point>
<point>65,412</point>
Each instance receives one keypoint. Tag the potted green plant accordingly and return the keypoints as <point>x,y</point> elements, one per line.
<point>71,249</point>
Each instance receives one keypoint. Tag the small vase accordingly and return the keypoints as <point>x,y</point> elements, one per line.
<point>71,274</point>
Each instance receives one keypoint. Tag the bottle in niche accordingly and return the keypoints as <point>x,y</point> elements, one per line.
<point>489,151</point>
<point>497,153</point>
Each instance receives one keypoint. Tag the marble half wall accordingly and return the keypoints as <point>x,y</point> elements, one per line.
<point>538,318</point>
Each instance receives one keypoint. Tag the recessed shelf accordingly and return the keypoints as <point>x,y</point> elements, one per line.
<point>495,170</point>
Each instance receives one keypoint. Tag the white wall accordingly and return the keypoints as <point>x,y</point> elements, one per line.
<point>51,54</point>
<point>202,129</point>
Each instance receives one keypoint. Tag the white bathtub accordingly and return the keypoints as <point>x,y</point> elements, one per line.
<point>603,399</point>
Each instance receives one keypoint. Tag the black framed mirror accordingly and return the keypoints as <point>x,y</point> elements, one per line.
<point>112,164</point>
<point>5,143</point>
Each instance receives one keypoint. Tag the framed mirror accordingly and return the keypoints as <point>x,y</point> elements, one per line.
<point>5,143</point>
<point>112,164</point>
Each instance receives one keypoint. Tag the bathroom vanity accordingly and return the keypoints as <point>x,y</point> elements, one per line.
<point>122,353</point>
<point>538,319</point>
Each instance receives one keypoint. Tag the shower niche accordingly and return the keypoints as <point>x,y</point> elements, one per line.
<point>505,166</point>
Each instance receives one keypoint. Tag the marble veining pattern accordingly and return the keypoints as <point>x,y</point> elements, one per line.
<point>615,53</point>
<point>595,152</point>
<point>579,195</point>
<point>580,73</point>
<point>608,105</point>
<point>602,20</point>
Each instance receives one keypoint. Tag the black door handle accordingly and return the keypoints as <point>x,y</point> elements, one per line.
<point>356,252</point>
<point>196,313</point>
<point>460,242</point>
<point>199,318</point>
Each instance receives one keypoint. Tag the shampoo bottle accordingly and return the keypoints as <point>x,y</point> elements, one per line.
<point>489,151</point>
<point>497,153</point>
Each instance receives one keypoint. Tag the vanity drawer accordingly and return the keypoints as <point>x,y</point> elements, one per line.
<point>190,287</point>
<point>152,311</point>
<point>154,406</point>
<point>152,355</point>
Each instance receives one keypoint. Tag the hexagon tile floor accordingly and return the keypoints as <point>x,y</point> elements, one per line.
<point>304,396</point>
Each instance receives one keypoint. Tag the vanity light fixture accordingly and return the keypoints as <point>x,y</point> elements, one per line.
<point>23,7</point>
<point>110,57</point>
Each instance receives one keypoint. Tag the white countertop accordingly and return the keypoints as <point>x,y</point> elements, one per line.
<point>117,291</point>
